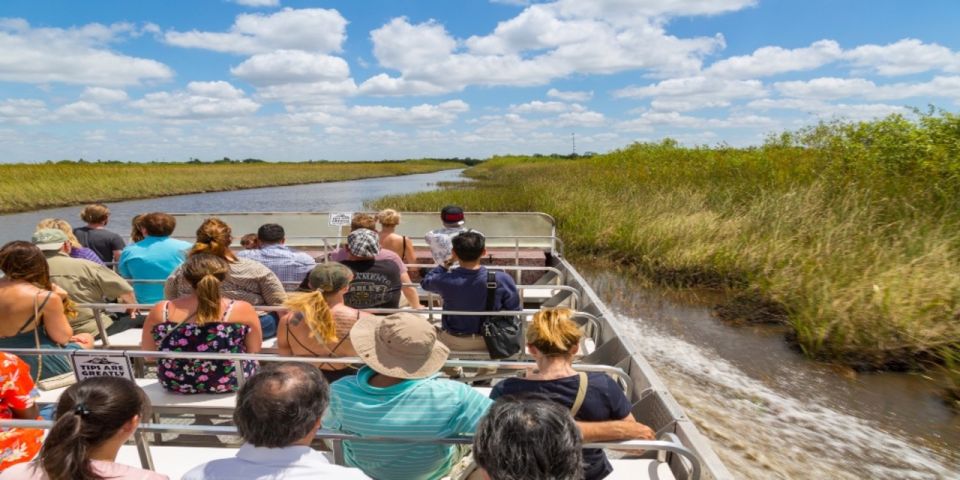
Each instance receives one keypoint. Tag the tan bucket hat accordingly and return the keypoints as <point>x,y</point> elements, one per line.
<point>401,345</point>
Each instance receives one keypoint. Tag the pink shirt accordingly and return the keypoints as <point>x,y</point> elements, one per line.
<point>111,470</point>
<point>341,254</point>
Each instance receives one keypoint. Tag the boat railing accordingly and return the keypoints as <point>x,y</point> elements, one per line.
<point>666,445</point>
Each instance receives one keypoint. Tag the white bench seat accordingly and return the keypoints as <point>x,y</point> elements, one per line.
<point>639,469</point>
<point>166,402</point>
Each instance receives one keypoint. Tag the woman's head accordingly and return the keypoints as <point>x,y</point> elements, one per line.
<point>21,260</point>
<point>553,332</point>
<point>389,217</point>
<point>214,236</point>
<point>205,272</point>
<point>136,229</point>
<point>90,413</point>
<point>63,226</point>
<point>330,277</point>
<point>326,279</point>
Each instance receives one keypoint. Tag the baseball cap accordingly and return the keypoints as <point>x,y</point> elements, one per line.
<point>452,215</point>
<point>49,239</point>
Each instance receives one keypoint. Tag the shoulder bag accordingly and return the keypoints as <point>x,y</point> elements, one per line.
<point>502,334</point>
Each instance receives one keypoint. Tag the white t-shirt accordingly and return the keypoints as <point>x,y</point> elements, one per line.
<point>259,463</point>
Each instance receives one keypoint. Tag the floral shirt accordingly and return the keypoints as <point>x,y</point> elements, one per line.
<point>17,391</point>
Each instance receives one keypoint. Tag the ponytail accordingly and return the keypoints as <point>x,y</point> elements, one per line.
<point>553,332</point>
<point>205,272</point>
<point>317,313</point>
<point>207,291</point>
<point>214,236</point>
<point>64,452</point>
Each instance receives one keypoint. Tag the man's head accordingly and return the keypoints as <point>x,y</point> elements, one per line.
<point>400,345</point>
<point>281,405</point>
<point>270,234</point>
<point>363,220</point>
<point>95,214</point>
<point>469,246</point>
<point>451,216</point>
<point>158,224</point>
<point>528,437</point>
<point>363,243</point>
<point>50,240</point>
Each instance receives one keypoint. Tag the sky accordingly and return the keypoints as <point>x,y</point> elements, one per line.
<point>287,80</point>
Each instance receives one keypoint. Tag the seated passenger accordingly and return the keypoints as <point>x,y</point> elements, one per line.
<point>553,339</point>
<point>136,229</point>
<point>249,241</point>
<point>376,283</point>
<point>94,418</point>
<point>154,257</point>
<point>202,321</point>
<point>249,280</point>
<point>465,288</point>
<point>440,240</point>
<point>397,393</point>
<point>17,395</point>
<point>34,311</point>
<point>289,265</point>
<point>390,240</point>
<point>84,281</point>
<point>278,414</point>
<point>95,235</point>
<point>528,437</point>
<point>318,323</point>
<point>76,249</point>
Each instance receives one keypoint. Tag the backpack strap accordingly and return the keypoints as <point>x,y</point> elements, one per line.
<point>491,289</point>
<point>581,394</point>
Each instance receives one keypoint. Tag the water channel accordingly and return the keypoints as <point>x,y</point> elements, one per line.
<point>769,412</point>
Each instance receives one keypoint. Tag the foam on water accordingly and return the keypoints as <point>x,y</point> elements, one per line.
<point>761,433</point>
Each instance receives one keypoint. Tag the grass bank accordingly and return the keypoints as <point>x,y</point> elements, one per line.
<point>29,187</point>
<point>848,233</point>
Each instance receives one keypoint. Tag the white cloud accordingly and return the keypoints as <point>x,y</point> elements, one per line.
<point>650,121</point>
<point>257,3</point>
<point>292,66</point>
<point>691,93</point>
<point>570,96</point>
<point>537,106</point>
<point>425,114</point>
<point>75,56</point>
<point>22,111</point>
<point>904,57</point>
<point>315,93</point>
<point>385,85</point>
<point>827,88</point>
<point>580,119</point>
<point>824,88</point>
<point>199,100</point>
<point>81,110</point>
<point>768,61</point>
<point>313,30</point>
<point>103,95</point>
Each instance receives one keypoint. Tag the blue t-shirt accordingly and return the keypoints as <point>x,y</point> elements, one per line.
<point>604,401</point>
<point>466,290</point>
<point>426,408</point>
<point>153,258</point>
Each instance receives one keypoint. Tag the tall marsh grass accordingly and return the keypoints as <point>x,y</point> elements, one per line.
<point>852,229</point>
<point>28,187</point>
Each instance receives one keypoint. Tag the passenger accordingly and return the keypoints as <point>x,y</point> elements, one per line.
<point>94,419</point>
<point>376,283</point>
<point>76,249</point>
<point>289,265</point>
<point>278,414</point>
<point>202,321</point>
<point>369,222</point>
<point>249,241</point>
<point>85,282</point>
<point>17,396</point>
<point>528,438</point>
<point>154,257</point>
<point>465,288</point>
<point>34,311</point>
<point>397,393</point>
<point>249,280</point>
<point>136,229</point>
<point>553,339</point>
<point>318,323</point>
<point>439,240</point>
<point>390,240</point>
<point>95,236</point>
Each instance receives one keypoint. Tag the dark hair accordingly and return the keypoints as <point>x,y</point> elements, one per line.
<point>270,233</point>
<point>88,414</point>
<point>281,404</point>
<point>21,260</point>
<point>158,224</point>
<point>468,245</point>
<point>249,241</point>
<point>95,213</point>
<point>528,437</point>
<point>205,272</point>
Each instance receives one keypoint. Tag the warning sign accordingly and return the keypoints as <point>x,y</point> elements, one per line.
<point>101,364</point>
<point>340,219</point>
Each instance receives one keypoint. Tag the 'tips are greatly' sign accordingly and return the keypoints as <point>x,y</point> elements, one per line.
<point>101,364</point>
<point>340,219</point>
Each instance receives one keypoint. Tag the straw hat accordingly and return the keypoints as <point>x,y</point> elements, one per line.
<point>401,345</point>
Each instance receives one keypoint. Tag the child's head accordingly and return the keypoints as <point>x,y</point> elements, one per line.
<point>249,241</point>
<point>469,245</point>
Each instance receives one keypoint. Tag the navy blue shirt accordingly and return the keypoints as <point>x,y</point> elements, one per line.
<point>466,290</point>
<point>604,401</point>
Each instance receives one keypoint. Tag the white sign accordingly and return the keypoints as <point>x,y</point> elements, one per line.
<point>101,364</point>
<point>340,219</point>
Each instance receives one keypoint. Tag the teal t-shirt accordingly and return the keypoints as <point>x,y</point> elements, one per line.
<point>420,409</point>
<point>153,258</point>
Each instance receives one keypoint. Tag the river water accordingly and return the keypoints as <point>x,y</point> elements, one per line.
<point>771,413</point>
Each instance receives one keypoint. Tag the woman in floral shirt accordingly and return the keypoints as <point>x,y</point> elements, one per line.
<point>202,321</point>
<point>17,392</point>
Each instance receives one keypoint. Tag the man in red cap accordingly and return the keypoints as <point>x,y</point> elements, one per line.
<point>439,240</point>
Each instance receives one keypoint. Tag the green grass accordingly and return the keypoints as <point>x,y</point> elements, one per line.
<point>851,230</point>
<point>29,187</point>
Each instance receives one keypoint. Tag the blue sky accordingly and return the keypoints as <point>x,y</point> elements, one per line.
<point>354,80</point>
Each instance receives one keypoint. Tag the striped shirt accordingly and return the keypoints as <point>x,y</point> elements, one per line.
<point>248,280</point>
<point>424,408</point>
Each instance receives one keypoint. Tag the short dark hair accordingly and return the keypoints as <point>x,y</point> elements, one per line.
<point>158,224</point>
<point>468,245</point>
<point>281,404</point>
<point>528,437</point>
<point>270,233</point>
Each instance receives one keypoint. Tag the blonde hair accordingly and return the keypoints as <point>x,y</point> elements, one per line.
<point>553,332</point>
<point>389,217</point>
<point>205,272</point>
<point>95,213</point>
<point>363,220</point>
<point>316,312</point>
<point>214,236</point>
<point>63,226</point>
